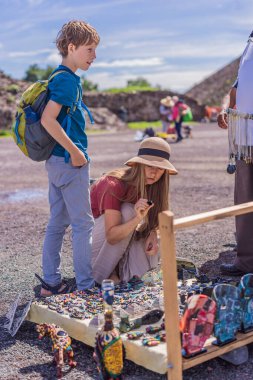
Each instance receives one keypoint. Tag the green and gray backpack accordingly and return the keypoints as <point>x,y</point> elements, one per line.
<point>28,132</point>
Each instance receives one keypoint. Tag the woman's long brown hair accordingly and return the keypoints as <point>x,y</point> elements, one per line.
<point>157,192</point>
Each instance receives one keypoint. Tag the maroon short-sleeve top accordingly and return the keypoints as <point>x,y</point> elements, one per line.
<point>109,194</point>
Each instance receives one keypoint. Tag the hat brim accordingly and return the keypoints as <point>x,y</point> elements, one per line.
<point>167,104</point>
<point>166,165</point>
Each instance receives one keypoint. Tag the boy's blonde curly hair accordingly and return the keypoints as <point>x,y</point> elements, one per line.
<point>75,32</point>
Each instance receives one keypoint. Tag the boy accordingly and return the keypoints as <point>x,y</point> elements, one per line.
<point>69,196</point>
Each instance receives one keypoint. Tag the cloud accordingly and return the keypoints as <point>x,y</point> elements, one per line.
<point>179,81</point>
<point>54,58</point>
<point>201,50</point>
<point>32,53</point>
<point>35,2</point>
<point>155,61</point>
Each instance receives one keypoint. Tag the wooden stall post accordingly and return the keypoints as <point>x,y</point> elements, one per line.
<point>169,268</point>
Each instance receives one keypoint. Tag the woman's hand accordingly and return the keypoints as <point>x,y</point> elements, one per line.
<point>151,244</point>
<point>142,208</point>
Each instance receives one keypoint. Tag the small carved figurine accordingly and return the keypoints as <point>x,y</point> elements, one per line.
<point>135,335</point>
<point>61,345</point>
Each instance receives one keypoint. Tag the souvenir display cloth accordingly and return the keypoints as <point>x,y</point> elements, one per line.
<point>246,294</point>
<point>228,313</point>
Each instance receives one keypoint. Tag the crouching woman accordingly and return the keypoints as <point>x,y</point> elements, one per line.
<point>125,204</point>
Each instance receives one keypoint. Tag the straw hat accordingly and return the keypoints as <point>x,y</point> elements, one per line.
<point>167,102</point>
<point>153,151</point>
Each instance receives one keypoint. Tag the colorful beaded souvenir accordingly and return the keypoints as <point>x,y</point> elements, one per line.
<point>135,335</point>
<point>228,313</point>
<point>152,277</point>
<point>246,292</point>
<point>153,329</point>
<point>61,345</point>
<point>134,284</point>
<point>196,324</point>
<point>108,346</point>
<point>161,336</point>
<point>150,342</point>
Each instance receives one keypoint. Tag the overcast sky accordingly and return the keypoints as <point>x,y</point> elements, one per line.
<point>169,42</point>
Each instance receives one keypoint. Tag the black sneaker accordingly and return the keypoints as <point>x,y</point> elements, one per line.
<point>231,270</point>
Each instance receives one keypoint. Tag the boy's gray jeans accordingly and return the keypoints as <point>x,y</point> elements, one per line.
<point>69,199</point>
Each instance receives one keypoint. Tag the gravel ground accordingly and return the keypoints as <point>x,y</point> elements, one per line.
<point>202,185</point>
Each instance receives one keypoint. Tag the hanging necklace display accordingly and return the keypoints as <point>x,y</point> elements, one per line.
<point>108,346</point>
<point>240,138</point>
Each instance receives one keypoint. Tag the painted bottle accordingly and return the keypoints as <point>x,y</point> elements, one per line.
<point>108,346</point>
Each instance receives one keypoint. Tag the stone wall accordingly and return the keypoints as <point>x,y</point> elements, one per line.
<point>105,119</point>
<point>140,106</point>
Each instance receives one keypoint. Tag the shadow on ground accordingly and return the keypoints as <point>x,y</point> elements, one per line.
<point>226,257</point>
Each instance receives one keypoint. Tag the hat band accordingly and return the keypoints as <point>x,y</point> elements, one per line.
<point>153,152</point>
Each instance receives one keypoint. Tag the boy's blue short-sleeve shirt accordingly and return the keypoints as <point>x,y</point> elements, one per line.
<point>64,89</point>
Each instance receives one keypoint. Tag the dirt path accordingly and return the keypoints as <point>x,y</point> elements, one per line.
<point>202,185</point>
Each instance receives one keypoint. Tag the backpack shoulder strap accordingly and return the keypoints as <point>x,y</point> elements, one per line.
<point>56,73</point>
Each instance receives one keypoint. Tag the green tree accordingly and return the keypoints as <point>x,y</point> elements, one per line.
<point>34,72</point>
<point>139,82</point>
<point>88,85</point>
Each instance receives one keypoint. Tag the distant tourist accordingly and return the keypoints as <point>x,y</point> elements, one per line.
<point>69,177</point>
<point>179,110</point>
<point>165,110</point>
<point>125,204</point>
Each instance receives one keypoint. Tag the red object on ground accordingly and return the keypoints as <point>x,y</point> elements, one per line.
<point>212,112</point>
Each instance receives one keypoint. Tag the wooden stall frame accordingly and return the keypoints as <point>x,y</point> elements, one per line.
<point>167,227</point>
